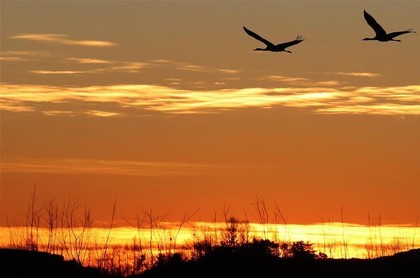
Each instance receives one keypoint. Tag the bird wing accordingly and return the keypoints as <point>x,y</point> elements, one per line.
<point>258,37</point>
<point>395,34</point>
<point>290,43</point>
<point>375,25</point>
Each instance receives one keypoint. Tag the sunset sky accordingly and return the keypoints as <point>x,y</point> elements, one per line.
<point>164,105</point>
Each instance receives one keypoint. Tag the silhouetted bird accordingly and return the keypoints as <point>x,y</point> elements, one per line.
<point>381,35</point>
<point>272,47</point>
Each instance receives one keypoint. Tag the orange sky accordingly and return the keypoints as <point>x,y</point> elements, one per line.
<point>163,105</point>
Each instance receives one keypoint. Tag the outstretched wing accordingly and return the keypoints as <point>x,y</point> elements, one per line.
<point>395,34</point>
<point>258,37</point>
<point>375,25</point>
<point>285,45</point>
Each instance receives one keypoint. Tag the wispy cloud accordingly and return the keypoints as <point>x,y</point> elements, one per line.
<point>300,81</point>
<point>231,71</point>
<point>125,67</point>
<point>14,105</point>
<point>377,109</point>
<point>26,53</point>
<point>20,56</point>
<point>58,113</point>
<point>404,100</point>
<point>191,67</point>
<point>62,39</point>
<point>100,113</point>
<point>358,74</point>
<point>13,59</point>
<point>283,78</point>
<point>59,71</point>
<point>132,67</point>
<point>102,167</point>
<point>89,61</point>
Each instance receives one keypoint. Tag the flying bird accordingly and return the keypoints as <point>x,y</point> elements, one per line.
<point>273,47</point>
<point>381,34</point>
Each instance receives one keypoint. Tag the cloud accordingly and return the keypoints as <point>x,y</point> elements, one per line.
<point>13,59</point>
<point>58,113</point>
<point>283,78</point>
<point>376,109</point>
<point>102,167</point>
<point>26,53</point>
<point>231,71</point>
<point>58,71</point>
<point>130,67</point>
<point>62,39</point>
<point>358,74</point>
<point>99,113</point>
<point>126,67</point>
<point>20,56</point>
<point>13,105</point>
<point>190,67</point>
<point>299,81</point>
<point>89,61</point>
<point>403,100</point>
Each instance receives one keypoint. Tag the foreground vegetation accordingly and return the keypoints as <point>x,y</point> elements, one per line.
<point>235,255</point>
<point>260,258</point>
<point>69,248</point>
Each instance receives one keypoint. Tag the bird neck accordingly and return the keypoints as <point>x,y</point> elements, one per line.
<point>369,39</point>
<point>260,49</point>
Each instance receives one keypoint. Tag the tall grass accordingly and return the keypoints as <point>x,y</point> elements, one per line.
<point>70,232</point>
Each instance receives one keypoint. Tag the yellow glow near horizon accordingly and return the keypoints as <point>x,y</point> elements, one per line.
<point>335,239</point>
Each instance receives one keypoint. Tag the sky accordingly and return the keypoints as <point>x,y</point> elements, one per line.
<point>164,106</point>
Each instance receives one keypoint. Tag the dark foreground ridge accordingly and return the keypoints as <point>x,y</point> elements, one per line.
<point>15,263</point>
<point>404,264</point>
<point>221,263</point>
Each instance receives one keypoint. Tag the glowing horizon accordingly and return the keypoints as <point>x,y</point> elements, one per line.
<point>335,239</point>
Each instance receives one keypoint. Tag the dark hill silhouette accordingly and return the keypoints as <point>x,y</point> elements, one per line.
<point>257,259</point>
<point>227,262</point>
<point>24,263</point>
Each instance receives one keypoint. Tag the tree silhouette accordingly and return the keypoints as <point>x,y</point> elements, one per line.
<point>299,250</point>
